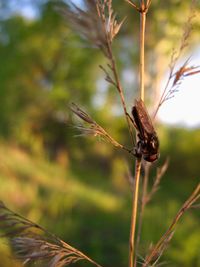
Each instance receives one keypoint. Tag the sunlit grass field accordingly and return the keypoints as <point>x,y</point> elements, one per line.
<point>87,203</point>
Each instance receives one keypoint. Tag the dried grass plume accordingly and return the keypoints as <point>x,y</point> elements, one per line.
<point>33,244</point>
<point>96,22</point>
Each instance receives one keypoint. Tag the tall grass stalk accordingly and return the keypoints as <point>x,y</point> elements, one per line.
<point>132,250</point>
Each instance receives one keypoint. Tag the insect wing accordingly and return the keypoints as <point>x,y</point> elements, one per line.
<point>144,118</point>
<point>137,122</point>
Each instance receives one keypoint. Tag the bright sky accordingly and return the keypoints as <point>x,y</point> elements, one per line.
<point>77,2</point>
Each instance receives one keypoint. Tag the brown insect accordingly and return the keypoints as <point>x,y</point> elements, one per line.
<point>148,143</point>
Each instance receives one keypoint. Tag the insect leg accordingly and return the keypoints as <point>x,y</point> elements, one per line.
<point>138,149</point>
<point>134,124</point>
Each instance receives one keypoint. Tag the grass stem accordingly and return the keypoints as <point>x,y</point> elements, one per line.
<point>142,61</point>
<point>134,213</point>
<point>132,249</point>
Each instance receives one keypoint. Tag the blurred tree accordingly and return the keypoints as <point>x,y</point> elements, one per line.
<point>41,71</point>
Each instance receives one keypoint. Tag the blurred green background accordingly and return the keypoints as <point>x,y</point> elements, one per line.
<point>77,187</point>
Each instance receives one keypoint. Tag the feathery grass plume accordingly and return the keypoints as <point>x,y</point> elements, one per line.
<point>94,128</point>
<point>141,260</point>
<point>33,244</point>
<point>96,22</point>
<point>183,72</point>
<point>161,245</point>
<point>176,76</point>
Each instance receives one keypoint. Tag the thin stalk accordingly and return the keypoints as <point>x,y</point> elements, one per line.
<point>134,213</point>
<point>142,41</point>
<point>120,89</point>
<point>163,93</point>
<point>143,202</point>
<point>132,244</point>
<point>113,65</point>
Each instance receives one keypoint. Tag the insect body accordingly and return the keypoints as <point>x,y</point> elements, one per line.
<point>148,143</point>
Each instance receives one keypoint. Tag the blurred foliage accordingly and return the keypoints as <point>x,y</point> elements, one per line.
<point>78,187</point>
